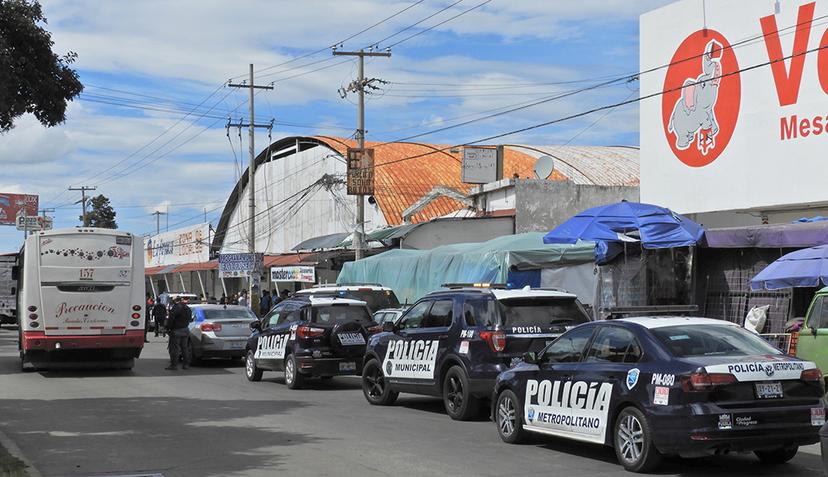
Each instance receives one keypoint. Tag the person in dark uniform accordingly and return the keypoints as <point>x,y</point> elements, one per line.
<point>159,316</point>
<point>178,329</point>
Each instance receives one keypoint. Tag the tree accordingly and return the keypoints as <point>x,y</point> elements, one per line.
<point>101,213</point>
<point>33,79</point>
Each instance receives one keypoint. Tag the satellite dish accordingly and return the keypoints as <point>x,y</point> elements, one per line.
<point>544,167</point>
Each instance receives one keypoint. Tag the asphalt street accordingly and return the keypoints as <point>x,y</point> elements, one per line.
<point>210,421</point>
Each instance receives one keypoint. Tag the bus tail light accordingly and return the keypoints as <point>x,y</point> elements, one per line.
<point>135,316</point>
<point>495,339</point>
<point>704,381</point>
<point>32,308</point>
<point>210,327</point>
<point>32,316</point>
<point>136,307</point>
<point>309,332</point>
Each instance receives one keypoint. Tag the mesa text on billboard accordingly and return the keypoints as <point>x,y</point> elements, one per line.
<point>788,79</point>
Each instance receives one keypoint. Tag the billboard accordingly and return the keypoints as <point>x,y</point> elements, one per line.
<point>12,204</point>
<point>743,117</point>
<point>360,171</point>
<point>233,265</point>
<point>479,165</point>
<point>185,245</point>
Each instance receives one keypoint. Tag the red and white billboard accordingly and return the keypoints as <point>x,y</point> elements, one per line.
<point>743,118</point>
<point>11,204</point>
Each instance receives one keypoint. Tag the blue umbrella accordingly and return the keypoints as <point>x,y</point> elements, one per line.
<point>803,268</point>
<point>657,227</point>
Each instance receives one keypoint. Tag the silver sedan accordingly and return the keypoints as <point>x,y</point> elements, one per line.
<point>219,331</point>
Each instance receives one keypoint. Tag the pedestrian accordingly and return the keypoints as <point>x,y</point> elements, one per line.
<point>285,294</point>
<point>159,317</point>
<point>243,298</point>
<point>264,303</point>
<point>209,299</point>
<point>201,298</point>
<point>234,300</point>
<point>223,299</point>
<point>178,328</point>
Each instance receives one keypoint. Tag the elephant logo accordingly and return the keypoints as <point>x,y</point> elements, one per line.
<point>702,95</point>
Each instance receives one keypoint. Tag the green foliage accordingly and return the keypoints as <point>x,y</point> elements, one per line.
<point>33,79</point>
<point>100,214</point>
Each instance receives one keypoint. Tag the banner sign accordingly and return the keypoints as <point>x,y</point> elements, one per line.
<point>729,124</point>
<point>34,223</point>
<point>479,165</point>
<point>232,265</point>
<point>360,171</point>
<point>293,274</point>
<point>13,204</point>
<point>176,247</point>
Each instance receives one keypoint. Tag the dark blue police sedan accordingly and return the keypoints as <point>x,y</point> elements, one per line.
<point>659,386</point>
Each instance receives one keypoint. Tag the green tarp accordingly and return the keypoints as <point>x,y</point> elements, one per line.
<point>413,273</point>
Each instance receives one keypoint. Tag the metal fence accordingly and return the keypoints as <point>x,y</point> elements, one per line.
<point>781,341</point>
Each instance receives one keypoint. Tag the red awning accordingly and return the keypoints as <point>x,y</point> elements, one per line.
<point>285,259</point>
<point>194,267</point>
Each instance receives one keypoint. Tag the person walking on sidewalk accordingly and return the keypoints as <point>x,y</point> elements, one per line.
<point>178,329</point>
<point>159,317</point>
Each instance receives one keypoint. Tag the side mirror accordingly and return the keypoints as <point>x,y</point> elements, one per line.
<point>388,327</point>
<point>530,357</point>
<point>813,331</point>
<point>255,325</point>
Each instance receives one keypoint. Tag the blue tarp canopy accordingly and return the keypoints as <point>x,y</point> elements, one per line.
<point>611,225</point>
<point>413,273</point>
<point>803,268</point>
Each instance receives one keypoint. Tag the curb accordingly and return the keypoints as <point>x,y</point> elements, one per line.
<point>15,451</point>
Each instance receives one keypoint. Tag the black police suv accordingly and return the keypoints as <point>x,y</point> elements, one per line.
<point>376,296</point>
<point>659,386</point>
<point>453,343</point>
<point>310,336</point>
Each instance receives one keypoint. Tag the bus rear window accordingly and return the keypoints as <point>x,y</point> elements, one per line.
<point>92,250</point>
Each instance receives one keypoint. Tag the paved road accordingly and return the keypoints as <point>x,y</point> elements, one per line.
<point>209,421</point>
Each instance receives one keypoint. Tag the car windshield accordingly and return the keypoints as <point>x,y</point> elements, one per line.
<point>326,315</point>
<point>684,341</point>
<point>541,311</point>
<point>229,314</point>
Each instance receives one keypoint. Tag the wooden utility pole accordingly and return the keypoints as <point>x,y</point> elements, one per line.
<point>359,87</point>
<point>251,181</point>
<point>158,215</point>
<point>83,190</point>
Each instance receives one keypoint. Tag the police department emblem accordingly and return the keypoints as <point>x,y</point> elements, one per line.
<point>768,370</point>
<point>632,378</point>
<point>388,368</point>
<point>530,414</point>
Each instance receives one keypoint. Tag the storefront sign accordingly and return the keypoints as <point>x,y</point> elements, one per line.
<point>186,245</point>
<point>33,223</point>
<point>293,274</point>
<point>12,204</point>
<point>360,171</point>
<point>740,124</point>
<point>233,265</point>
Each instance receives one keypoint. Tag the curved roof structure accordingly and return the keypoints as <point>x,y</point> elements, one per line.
<point>405,172</point>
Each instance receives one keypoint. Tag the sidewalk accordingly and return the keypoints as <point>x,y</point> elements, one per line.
<point>11,464</point>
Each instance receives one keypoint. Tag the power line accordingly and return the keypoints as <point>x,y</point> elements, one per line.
<point>392,45</point>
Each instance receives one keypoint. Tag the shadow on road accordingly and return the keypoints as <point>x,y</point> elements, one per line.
<point>338,383</point>
<point>170,435</point>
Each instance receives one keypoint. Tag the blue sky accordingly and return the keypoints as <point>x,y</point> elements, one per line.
<point>168,57</point>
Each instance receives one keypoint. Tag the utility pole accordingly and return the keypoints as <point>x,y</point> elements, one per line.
<point>158,215</point>
<point>251,182</point>
<point>83,190</point>
<point>359,87</point>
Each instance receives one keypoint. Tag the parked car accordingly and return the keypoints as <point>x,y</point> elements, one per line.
<point>658,386</point>
<point>813,336</point>
<point>453,343</point>
<point>389,315</point>
<point>377,297</point>
<point>308,336</point>
<point>219,331</point>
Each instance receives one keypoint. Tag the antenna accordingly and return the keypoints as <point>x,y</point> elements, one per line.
<point>544,167</point>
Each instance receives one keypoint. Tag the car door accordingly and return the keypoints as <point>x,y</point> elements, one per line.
<point>548,390</point>
<point>433,336</point>
<point>275,334</point>
<point>406,358</point>
<point>610,367</point>
<point>813,338</point>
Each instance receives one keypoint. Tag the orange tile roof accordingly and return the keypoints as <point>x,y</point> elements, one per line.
<point>404,172</point>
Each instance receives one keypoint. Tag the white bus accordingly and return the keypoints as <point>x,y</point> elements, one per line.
<point>80,298</point>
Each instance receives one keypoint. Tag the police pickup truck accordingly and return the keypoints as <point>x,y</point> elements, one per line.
<point>453,343</point>
<point>659,386</point>
<point>310,336</point>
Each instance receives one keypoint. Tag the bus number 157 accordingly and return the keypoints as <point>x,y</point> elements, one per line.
<point>86,273</point>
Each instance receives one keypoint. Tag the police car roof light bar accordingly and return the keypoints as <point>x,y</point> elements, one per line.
<point>454,286</point>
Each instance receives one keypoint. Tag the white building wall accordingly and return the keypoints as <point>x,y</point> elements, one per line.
<point>284,218</point>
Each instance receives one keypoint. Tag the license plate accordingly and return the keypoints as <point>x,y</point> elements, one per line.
<point>817,416</point>
<point>347,366</point>
<point>236,344</point>
<point>769,390</point>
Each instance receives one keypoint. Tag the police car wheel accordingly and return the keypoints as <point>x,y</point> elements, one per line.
<point>252,371</point>
<point>509,418</point>
<point>293,378</point>
<point>374,386</point>
<point>633,442</point>
<point>460,404</point>
<point>777,456</point>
